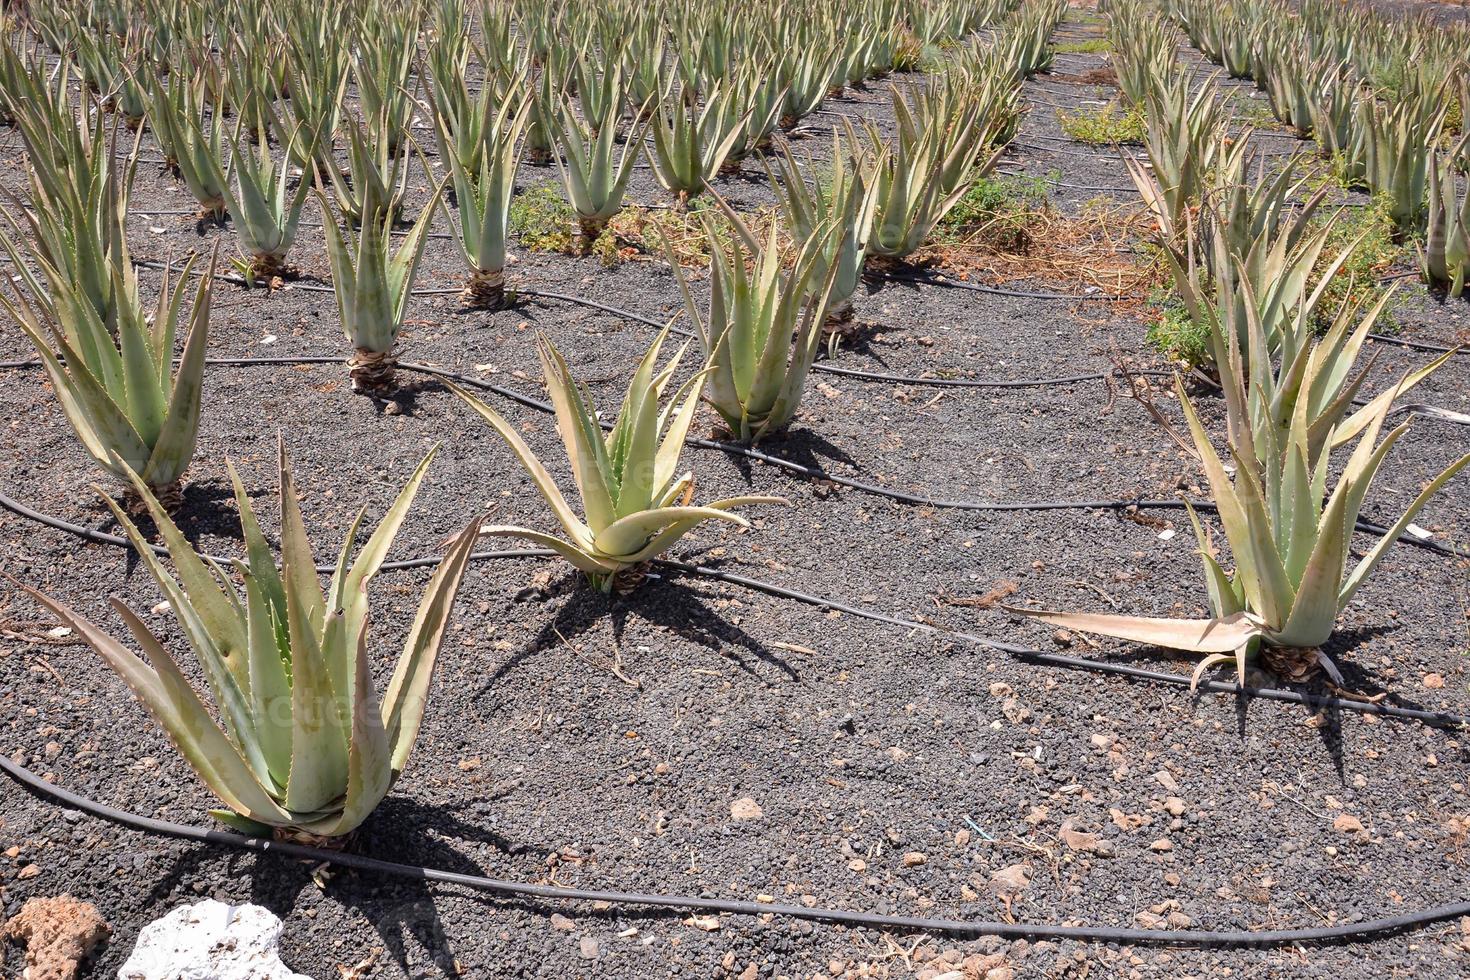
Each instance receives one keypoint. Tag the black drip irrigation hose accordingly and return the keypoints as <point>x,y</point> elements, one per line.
<point>949,281</point>
<point>1444,719</point>
<point>813,473</point>
<point>1217,939</point>
<point>1333,702</point>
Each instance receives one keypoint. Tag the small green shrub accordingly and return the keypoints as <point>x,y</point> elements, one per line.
<point>997,211</point>
<point>541,220</point>
<point>1175,334</point>
<point>1108,125</point>
<point>1097,45</point>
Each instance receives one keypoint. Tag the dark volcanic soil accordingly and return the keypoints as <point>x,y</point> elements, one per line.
<point>893,771</point>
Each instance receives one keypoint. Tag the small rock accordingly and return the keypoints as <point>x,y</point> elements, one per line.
<point>1175,806</point>
<point>914,858</point>
<point>561,923</point>
<point>1346,823</point>
<point>1166,779</point>
<point>1162,845</point>
<point>392,408</point>
<point>1078,840</point>
<point>746,808</point>
<point>1178,920</point>
<point>210,939</point>
<point>587,948</point>
<point>1102,740</point>
<point>1149,920</point>
<point>58,934</point>
<point>1434,681</point>
<point>1062,638</point>
<point>1010,881</point>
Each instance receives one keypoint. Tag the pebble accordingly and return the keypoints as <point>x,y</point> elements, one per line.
<point>746,808</point>
<point>1166,779</point>
<point>914,859</point>
<point>588,948</point>
<point>561,923</point>
<point>1346,823</point>
<point>1162,845</point>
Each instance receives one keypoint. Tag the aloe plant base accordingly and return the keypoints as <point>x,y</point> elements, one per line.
<point>372,372</point>
<point>486,291</point>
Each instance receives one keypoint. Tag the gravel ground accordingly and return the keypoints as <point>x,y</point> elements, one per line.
<point>890,771</point>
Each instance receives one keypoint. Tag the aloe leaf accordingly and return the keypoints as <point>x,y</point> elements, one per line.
<point>580,534</point>
<point>407,693</point>
<point>1222,635</point>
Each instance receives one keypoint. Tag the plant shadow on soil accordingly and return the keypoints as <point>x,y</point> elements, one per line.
<point>399,830</point>
<point>673,606</point>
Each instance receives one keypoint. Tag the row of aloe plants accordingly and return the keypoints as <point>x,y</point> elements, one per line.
<point>301,742</point>
<point>1384,106</point>
<point>1251,267</point>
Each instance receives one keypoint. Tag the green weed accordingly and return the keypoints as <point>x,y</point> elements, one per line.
<point>1108,125</point>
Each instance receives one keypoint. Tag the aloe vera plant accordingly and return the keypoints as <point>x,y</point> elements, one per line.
<point>918,181</point>
<point>134,411</point>
<point>375,181</point>
<point>195,143</point>
<point>1288,535</point>
<point>1184,137</point>
<point>843,205</point>
<point>691,146</point>
<point>265,209</point>
<point>483,197</point>
<point>372,284</point>
<point>594,174</point>
<point>635,503</point>
<point>79,189</point>
<point>763,329</point>
<point>1400,149</point>
<point>305,748</point>
<point>1444,258</point>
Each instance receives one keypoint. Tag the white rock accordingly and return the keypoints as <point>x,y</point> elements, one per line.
<point>210,941</point>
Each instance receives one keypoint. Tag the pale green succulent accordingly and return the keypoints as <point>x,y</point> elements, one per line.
<point>636,504</point>
<point>1336,126</point>
<point>483,197</point>
<point>1291,81</point>
<point>1185,135</point>
<point>372,283</point>
<point>833,215</point>
<point>382,66</point>
<point>319,65</point>
<point>193,140</point>
<point>134,410</point>
<point>1400,147</point>
<point>916,184</point>
<point>764,326</point>
<point>593,173</point>
<point>1444,257</point>
<point>265,210</point>
<point>304,746</point>
<point>373,186</point>
<point>1289,537</point>
<point>690,146</point>
<point>79,188</point>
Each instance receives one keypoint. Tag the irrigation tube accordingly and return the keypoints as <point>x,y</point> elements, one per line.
<point>1435,718</point>
<point>790,466</point>
<point>1216,939</point>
